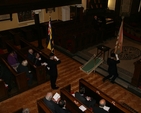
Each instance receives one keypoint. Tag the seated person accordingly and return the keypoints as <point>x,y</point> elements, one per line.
<point>38,60</point>
<point>30,55</point>
<point>26,110</point>
<point>6,76</point>
<point>12,60</point>
<point>51,104</point>
<point>62,104</point>
<point>102,108</point>
<point>24,68</point>
<point>86,100</point>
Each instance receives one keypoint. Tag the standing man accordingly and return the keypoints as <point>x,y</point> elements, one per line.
<point>112,69</point>
<point>52,67</point>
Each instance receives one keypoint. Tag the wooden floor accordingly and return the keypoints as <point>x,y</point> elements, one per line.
<point>69,73</point>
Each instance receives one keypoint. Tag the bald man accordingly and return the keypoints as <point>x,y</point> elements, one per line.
<point>30,55</point>
<point>51,104</point>
<point>100,109</point>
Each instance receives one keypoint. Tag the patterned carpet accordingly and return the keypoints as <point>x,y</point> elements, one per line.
<point>129,53</point>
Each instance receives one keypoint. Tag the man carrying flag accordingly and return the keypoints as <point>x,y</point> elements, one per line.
<point>114,59</point>
<point>50,40</point>
<point>53,60</point>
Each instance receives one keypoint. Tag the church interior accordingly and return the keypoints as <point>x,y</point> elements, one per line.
<point>80,29</point>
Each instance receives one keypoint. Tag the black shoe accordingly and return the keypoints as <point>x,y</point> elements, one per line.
<point>55,88</point>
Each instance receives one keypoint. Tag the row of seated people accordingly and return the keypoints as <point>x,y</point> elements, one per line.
<point>58,105</point>
<point>91,102</point>
<point>88,100</point>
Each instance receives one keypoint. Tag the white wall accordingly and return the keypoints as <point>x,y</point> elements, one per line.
<point>111,4</point>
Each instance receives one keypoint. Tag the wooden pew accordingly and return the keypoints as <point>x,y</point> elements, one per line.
<point>42,108</point>
<point>25,45</point>
<point>3,90</point>
<point>19,110</point>
<point>66,95</point>
<point>39,72</point>
<point>71,105</point>
<point>115,107</point>
<point>20,78</point>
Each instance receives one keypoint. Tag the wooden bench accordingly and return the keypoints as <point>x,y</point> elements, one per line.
<point>42,108</point>
<point>19,110</point>
<point>71,101</point>
<point>25,43</point>
<point>115,107</point>
<point>20,78</point>
<point>39,71</point>
<point>65,95</point>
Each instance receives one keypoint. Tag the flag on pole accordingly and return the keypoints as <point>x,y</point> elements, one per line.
<point>50,45</point>
<point>119,42</point>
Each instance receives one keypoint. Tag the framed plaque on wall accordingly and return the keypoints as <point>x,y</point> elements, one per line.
<point>25,16</point>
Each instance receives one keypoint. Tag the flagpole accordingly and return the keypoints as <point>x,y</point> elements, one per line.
<point>119,42</point>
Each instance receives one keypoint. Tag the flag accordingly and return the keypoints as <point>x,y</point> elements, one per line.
<point>119,42</point>
<point>50,45</point>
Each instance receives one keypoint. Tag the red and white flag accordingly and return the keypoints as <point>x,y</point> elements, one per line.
<point>119,42</point>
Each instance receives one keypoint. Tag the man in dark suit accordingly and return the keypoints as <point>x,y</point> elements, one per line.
<point>62,104</point>
<point>51,104</point>
<point>100,108</point>
<point>112,69</point>
<point>24,68</point>
<point>30,55</point>
<point>38,60</point>
<point>52,69</point>
<point>86,100</point>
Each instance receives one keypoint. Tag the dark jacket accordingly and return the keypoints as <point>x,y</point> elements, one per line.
<point>84,100</point>
<point>37,62</point>
<point>112,65</point>
<point>99,110</point>
<point>53,67</point>
<point>31,57</point>
<point>22,68</point>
